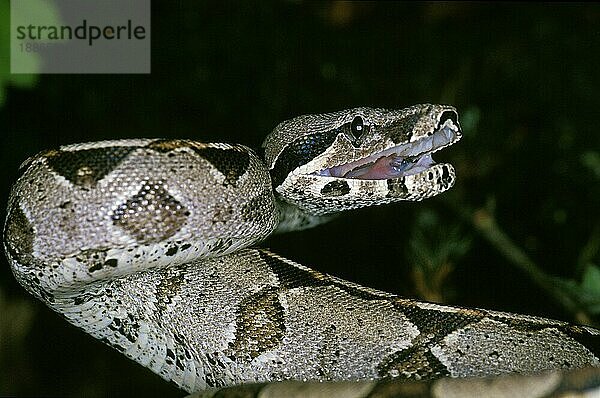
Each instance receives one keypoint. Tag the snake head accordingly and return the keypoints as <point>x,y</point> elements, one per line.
<point>361,157</point>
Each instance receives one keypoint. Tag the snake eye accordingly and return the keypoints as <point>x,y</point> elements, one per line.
<point>357,127</point>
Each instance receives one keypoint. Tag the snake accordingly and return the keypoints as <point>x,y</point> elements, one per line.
<point>149,246</point>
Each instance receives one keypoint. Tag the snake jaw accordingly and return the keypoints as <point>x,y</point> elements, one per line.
<point>401,160</point>
<point>328,169</point>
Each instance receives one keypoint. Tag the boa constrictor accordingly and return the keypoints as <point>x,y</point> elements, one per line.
<point>143,243</point>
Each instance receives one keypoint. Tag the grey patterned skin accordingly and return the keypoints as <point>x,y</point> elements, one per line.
<point>553,384</point>
<point>145,244</point>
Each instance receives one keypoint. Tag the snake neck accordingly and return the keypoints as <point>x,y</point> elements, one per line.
<point>293,218</point>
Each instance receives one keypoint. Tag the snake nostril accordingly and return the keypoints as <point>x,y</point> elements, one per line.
<point>447,115</point>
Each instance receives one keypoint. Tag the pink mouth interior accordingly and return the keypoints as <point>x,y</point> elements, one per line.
<point>402,160</point>
<point>384,168</point>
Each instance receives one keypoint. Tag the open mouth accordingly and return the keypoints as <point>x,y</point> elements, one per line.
<point>399,161</point>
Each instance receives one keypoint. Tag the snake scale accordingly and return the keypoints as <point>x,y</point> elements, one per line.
<point>146,245</point>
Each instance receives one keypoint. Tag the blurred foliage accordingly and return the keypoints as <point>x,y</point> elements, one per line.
<point>434,249</point>
<point>48,13</point>
<point>591,160</point>
<point>16,322</point>
<point>523,77</point>
<point>586,292</point>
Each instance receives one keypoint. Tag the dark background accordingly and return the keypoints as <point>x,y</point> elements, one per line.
<point>524,78</point>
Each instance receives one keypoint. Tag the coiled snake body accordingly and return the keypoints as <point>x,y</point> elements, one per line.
<point>144,244</point>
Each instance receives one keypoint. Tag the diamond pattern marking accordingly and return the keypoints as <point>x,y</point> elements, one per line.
<point>152,214</point>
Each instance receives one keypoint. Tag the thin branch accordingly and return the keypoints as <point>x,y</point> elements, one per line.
<point>484,222</point>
